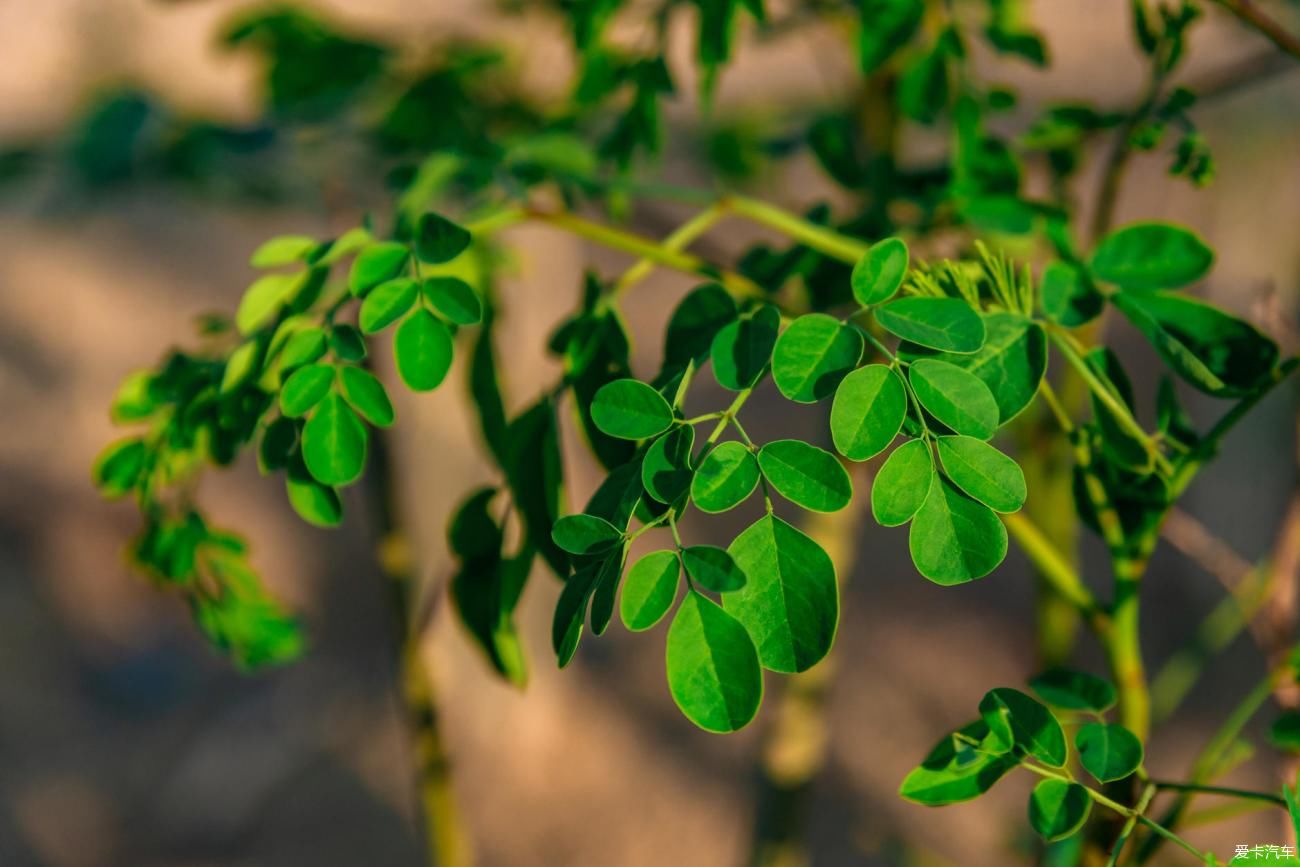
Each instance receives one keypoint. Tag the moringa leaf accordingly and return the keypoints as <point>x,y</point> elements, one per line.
<point>334,443</point>
<point>725,478</point>
<point>1017,719</point>
<point>1058,808</point>
<point>666,470</point>
<point>955,397</point>
<point>712,568</point>
<point>388,302</point>
<point>453,298</point>
<point>903,483</point>
<point>305,388</point>
<point>630,409</point>
<point>1074,690</point>
<point>649,590</point>
<point>983,472</point>
<point>962,766</point>
<point>954,539</point>
<point>1108,751</point>
<point>743,348</point>
<point>713,671</point>
<point>375,264</point>
<point>812,355</point>
<point>790,601</point>
<point>423,351</point>
<point>806,475</point>
<point>1146,256</point>
<point>366,394</point>
<point>879,274</point>
<point>1068,296</point>
<point>439,240</point>
<point>945,324</point>
<point>585,534</point>
<point>693,325</point>
<point>868,412</point>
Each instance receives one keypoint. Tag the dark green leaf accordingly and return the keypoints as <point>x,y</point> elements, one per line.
<point>868,412</point>
<point>277,446</point>
<point>1068,296</point>
<point>1285,732</point>
<point>536,474</point>
<point>387,303</point>
<point>439,240</point>
<point>305,388</point>
<point>367,395</point>
<point>946,324</point>
<point>423,351</point>
<point>743,348</point>
<point>1108,751</point>
<point>1074,690</point>
<point>1058,808</point>
<point>1016,718</point>
<point>806,475</point>
<point>666,469</point>
<point>630,409</point>
<point>813,355</point>
<point>606,593</point>
<point>377,263</point>
<point>725,478</point>
<point>887,26</point>
<point>585,534</point>
<point>1144,256</point>
<point>954,539</point>
<point>713,671</point>
<point>879,273</point>
<point>454,299</point>
<point>1219,354</point>
<point>962,766</point>
<point>649,590</point>
<point>694,324</point>
<point>712,568</point>
<point>955,397</point>
<point>348,343</point>
<point>903,483</point>
<point>790,601</point>
<point>983,472</point>
<point>334,443</point>
<point>118,467</point>
<point>571,611</point>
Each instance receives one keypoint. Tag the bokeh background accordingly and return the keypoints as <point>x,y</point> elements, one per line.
<point>125,741</point>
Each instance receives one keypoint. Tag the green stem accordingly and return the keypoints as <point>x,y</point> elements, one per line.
<point>834,244</point>
<point>1221,790</point>
<point>1143,803</point>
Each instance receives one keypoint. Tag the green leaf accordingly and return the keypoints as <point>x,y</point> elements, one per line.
<point>903,483</point>
<point>953,538</point>
<point>602,602</point>
<point>1217,353</point>
<point>1016,718</point>
<point>887,26</point>
<point>955,397</point>
<point>241,365</point>
<point>813,355</point>
<point>278,445</point>
<point>262,301</point>
<point>386,304</point>
<point>617,497</point>
<point>282,250</point>
<point>946,324</point>
<point>743,348</point>
<point>806,475</point>
<point>348,343</point>
<point>790,601</point>
<point>585,534</point>
<point>1058,808</point>
<point>1145,256</point>
<point>454,299</point>
<point>962,766</point>
<point>535,470</point>
<point>303,347</point>
<point>630,409</point>
<point>725,478</point>
<point>666,470</point>
<point>367,395</point>
<point>1011,362</point>
<point>694,324</point>
<point>439,240</point>
<point>377,263</point>
<point>649,590</point>
<point>713,671</point>
<point>423,351</point>
<point>712,568</point>
<point>868,412</point>
<point>305,388</point>
<point>118,467</point>
<point>1292,796</point>
<point>571,611</point>
<point>1108,751</point>
<point>879,273</point>
<point>983,472</point>
<point>317,504</point>
<point>1074,690</point>
<point>334,443</point>
<point>1285,732</point>
<point>1068,296</point>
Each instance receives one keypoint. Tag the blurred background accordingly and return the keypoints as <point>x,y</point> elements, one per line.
<point>125,741</point>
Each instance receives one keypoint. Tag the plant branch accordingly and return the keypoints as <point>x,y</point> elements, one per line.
<point>835,244</point>
<point>1249,14</point>
<point>1054,568</point>
<point>1220,790</point>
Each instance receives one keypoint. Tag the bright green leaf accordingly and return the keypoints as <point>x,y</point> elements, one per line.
<point>1068,296</point>
<point>630,409</point>
<point>423,350</point>
<point>263,300</point>
<point>1020,720</point>
<point>713,671</point>
<point>649,590</point>
<point>367,395</point>
<point>1144,256</point>
<point>712,568</point>
<point>666,469</point>
<point>305,388</point>
<point>868,412</point>
<point>813,355</point>
<point>983,472</point>
<point>806,475</point>
<point>241,365</point>
<point>334,443</point>
<point>903,483</point>
<point>955,397</point>
<point>962,766</point>
<point>317,504</point>
<point>454,299</point>
<point>954,539</point>
<point>1108,751</point>
<point>879,274</point>
<point>282,250</point>
<point>303,347</point>
<point>725,478</point>
<point>790,601</point>
<point>387,303</point>
<point>946,324</point>
<point>743,348</point>
<point>1074,690</point>
<point>377,263</point>
<point>585,534</point>
<point>118,467</point>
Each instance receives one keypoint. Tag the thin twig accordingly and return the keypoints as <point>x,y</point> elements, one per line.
<point>1249,14</point>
